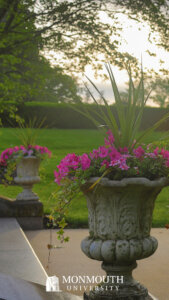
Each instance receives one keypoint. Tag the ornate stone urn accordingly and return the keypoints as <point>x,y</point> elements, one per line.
<point>27,175</point>
<point>120,217</point>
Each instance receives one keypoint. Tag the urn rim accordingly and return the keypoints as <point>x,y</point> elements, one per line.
<point>143,181</point>
<point>31,156</point>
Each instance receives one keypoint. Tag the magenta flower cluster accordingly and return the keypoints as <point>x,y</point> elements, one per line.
<point>36,150</point>
<point>105,157</point>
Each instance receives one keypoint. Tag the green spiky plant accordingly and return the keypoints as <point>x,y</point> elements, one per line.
<point>126,129</point>
<point>26,132</point>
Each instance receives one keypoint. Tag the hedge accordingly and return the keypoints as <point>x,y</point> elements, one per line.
<point>63,116</point>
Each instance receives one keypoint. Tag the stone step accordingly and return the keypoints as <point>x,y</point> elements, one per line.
<point>22,276</point>
<point>17,289</point>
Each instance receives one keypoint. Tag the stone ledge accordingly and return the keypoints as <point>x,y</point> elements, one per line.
<point>17,257</point>
<point>20,208</point>
<point>29,214</point>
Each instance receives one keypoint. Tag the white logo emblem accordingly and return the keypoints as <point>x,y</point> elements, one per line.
<point>52,284</point>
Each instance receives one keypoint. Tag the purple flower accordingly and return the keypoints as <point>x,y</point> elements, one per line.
<point>30,152</point>
<point>150,154</point>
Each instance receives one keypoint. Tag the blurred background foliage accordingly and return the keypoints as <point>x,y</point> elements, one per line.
<point>77,34</point>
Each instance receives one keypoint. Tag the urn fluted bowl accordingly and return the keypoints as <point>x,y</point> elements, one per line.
<point>27,175</point>
<point>120,218</point>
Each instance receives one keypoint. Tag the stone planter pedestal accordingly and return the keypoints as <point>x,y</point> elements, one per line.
<point>120,218</point>
<point>27,205</point>
<point>27,208</point>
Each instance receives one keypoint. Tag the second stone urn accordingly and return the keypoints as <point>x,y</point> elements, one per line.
<point>120,218</point>
<point>27,175</point>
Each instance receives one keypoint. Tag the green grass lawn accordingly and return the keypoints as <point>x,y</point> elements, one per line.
<point>61,142</point>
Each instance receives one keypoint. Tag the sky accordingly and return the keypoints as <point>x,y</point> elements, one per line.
<point>136,43</point>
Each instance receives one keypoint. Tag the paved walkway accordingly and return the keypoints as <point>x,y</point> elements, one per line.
<point>153,272</point>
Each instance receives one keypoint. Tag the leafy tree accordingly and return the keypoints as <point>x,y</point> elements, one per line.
<point>73,29</point>
<point>160,88</point>
<point>25,74</point>
<point>56,87</point>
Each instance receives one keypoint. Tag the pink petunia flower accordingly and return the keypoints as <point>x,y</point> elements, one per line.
<point>110,140</point>
<point>103,151</point>
<point>94,154</point>
<point>114,154</point>
<point>156,150</point>
<point>124,150</point>
<point>139,152</point>
<point>85,161</point>
<point>164,153</point>
<point>105,163</point>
